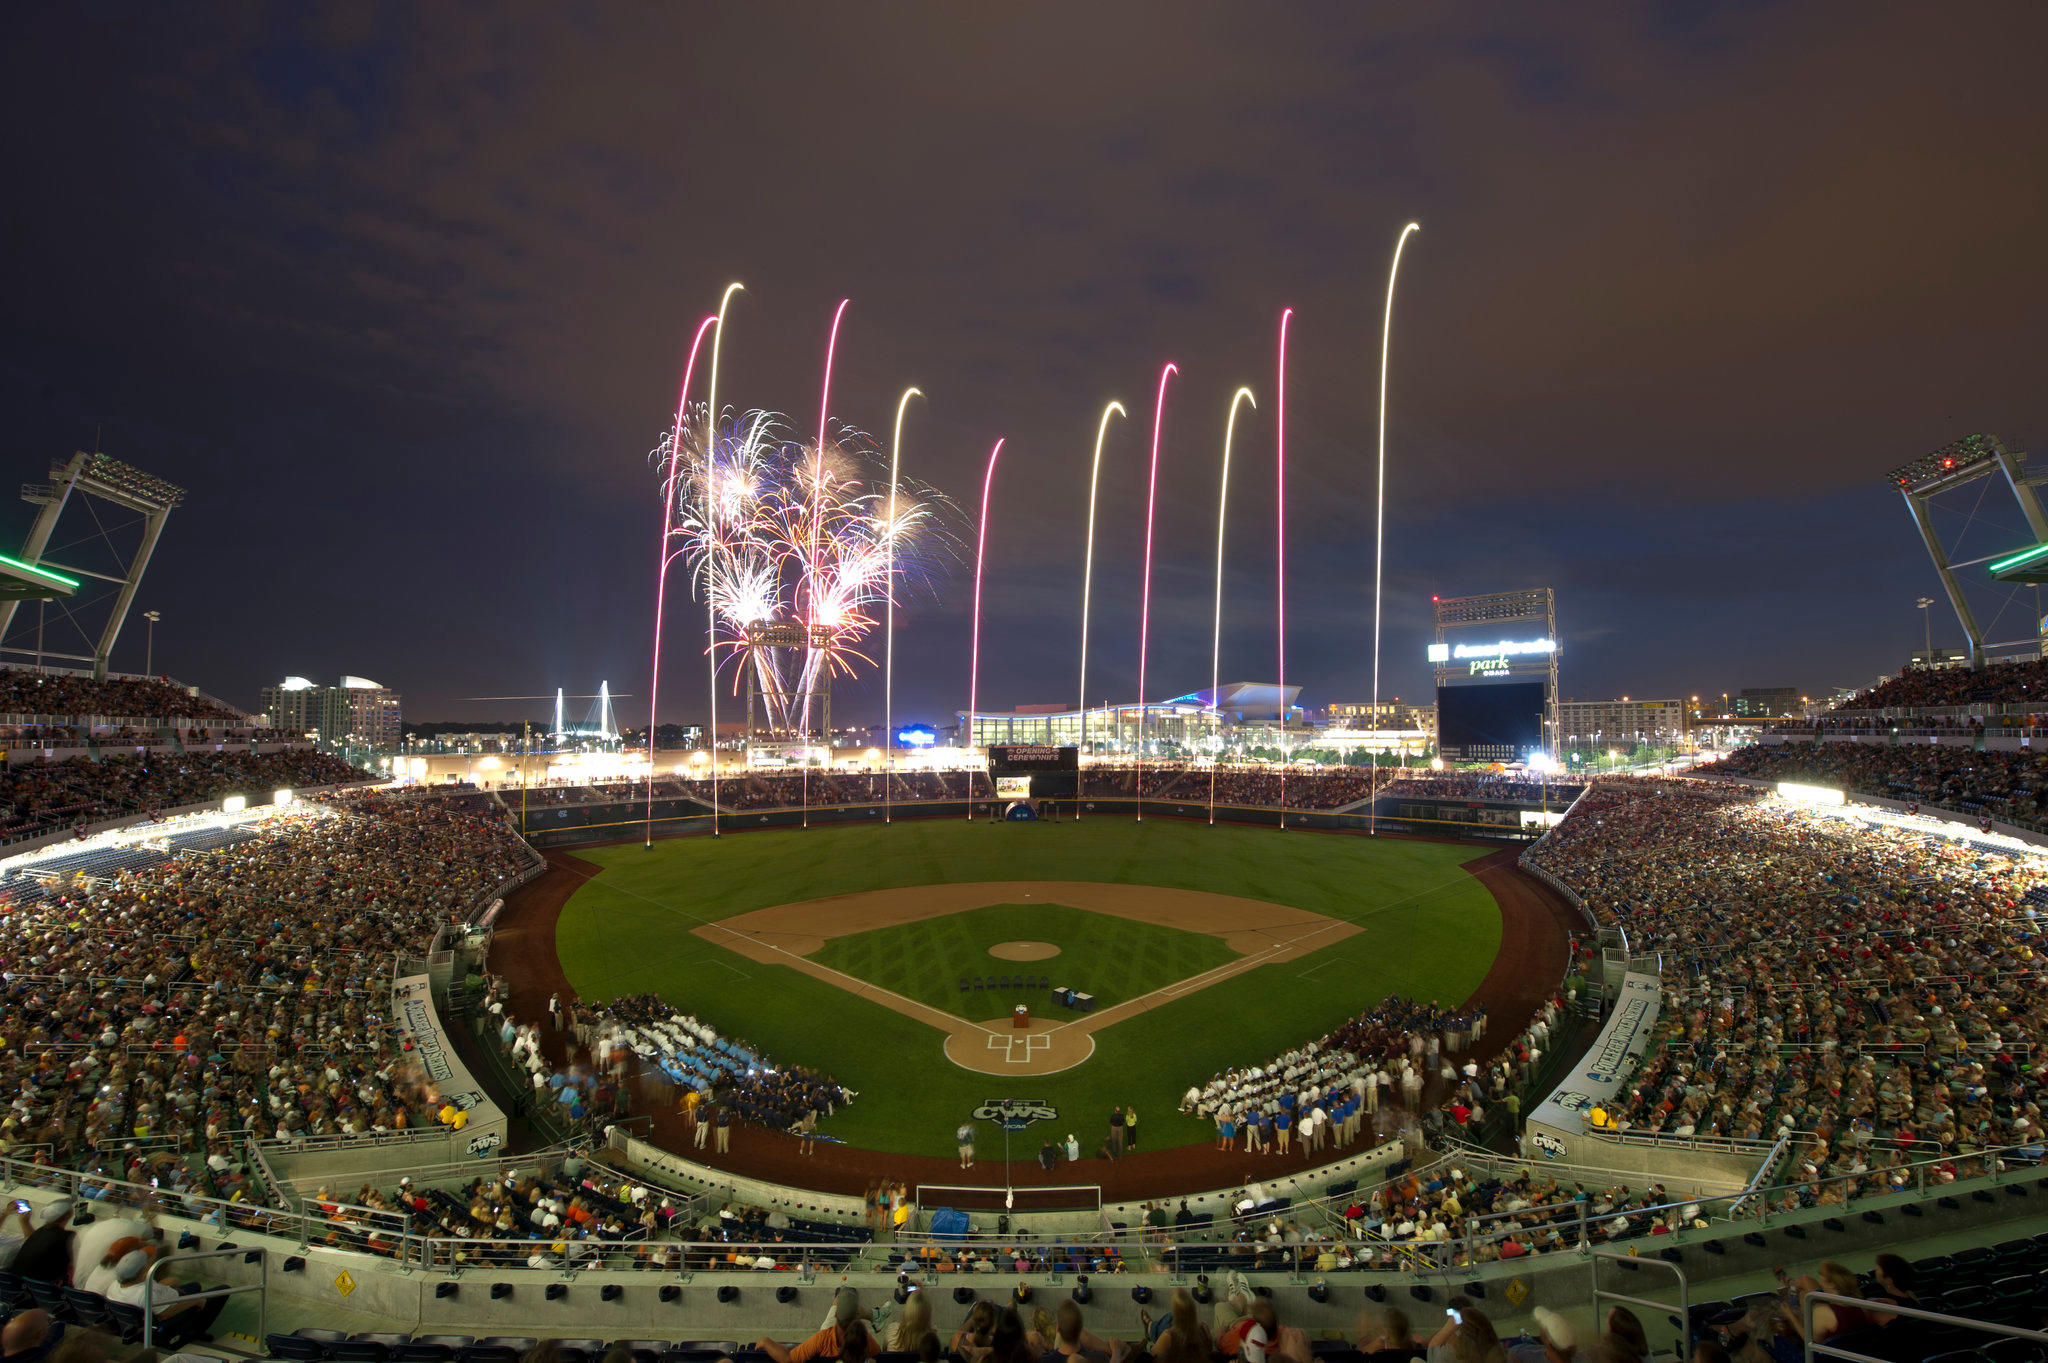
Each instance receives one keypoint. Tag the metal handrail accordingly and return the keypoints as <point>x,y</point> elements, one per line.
<point>261,1286</point>
<point>1813,1347</point>
<point>1751,1206</point>
<point>1649,1303</point>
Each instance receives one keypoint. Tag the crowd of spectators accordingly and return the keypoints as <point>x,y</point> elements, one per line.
<point>42,796</point>
<point>26,691</point>
<point>1993,784</point>
<point>2019,683</point>
<point>166,1011</point>
<point>781,790</point>
<point>1322,788</point>
<point>1485,785</point>
<point>1459,1215</point>
<point>1383,1055</point>
<point>592,1082</point>
<point>572,1216</point>
<point>1873,995</point>
<point>1395,1066</point>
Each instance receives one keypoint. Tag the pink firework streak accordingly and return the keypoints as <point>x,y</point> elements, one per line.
<point>1280,546</point>
<point>668,502</point>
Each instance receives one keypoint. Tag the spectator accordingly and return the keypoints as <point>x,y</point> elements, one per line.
<point>178,1321</point>
<point>1466,1336</point>
<point>45,1256</point>
<point>1383,1336</point>
<point>1624,1332</point>
<point>845,1338</point>
<point>1554,1342</point>
<point>1182,1337</point>
<point>911,1332</point>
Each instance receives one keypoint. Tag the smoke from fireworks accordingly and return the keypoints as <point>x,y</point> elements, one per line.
<point>798,537</point>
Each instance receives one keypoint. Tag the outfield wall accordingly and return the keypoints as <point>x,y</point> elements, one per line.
<point>569,826</point>
<point>1366,1168</point>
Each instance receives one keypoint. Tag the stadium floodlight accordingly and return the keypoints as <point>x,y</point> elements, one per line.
<point>282,796</point>
<point>234,804</point>
<point>90,477</point>
<point>1924,482</point>
<point>1957,461</point>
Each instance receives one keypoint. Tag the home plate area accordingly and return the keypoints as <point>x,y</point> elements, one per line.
<point>1001,1047</point>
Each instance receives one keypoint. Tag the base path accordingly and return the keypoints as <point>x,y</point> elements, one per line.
<point>1536,927</point>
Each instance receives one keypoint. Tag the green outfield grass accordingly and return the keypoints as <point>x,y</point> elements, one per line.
<point>1429,930</point>
<point>1115,959</point>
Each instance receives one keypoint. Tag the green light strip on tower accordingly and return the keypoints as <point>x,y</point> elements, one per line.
<point>2023,556</point>
<point>8,560</point>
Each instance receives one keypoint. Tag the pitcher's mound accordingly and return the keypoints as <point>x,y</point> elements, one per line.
<point>1023,951</point>
<point>1001,1047</point>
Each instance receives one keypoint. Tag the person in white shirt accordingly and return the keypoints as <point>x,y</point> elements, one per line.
<point>178,1321</point>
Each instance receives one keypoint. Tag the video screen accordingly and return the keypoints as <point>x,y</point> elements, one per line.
<point>1502,723</point>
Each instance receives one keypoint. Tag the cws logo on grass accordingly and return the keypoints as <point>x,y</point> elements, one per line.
<point>1014,1114</point>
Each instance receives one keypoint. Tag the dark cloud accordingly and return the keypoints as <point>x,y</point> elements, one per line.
<point>402,292</point>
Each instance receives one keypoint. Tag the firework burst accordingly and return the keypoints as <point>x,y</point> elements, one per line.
<point>798,537</point>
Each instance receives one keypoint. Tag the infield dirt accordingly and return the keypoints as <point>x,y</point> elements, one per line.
<point>1262,933</point>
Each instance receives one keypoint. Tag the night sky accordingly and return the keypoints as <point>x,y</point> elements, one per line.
<point>401,295</point>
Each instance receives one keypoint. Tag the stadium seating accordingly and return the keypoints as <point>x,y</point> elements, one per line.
<point>1873,991</point>
<point>193,934</point>
<point>42,796</point>
<point>1991,784</point>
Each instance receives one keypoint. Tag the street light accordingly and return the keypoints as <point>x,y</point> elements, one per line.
<point>149,647</point>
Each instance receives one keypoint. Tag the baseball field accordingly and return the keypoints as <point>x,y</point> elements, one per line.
<point>894,956</point>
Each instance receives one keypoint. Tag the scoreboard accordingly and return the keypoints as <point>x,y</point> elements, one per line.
<point>1053,772</point>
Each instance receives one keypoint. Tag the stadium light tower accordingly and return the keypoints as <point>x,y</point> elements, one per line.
<point>149,646</point>
<point>1956,466</point>
<point>147,498</point>
<point>1928,620</point>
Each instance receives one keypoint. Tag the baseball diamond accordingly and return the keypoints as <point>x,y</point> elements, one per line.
<point>784,939</point>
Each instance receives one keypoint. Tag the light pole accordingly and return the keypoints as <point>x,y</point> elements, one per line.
<point>1928,620</point>
<point>149,646</point>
